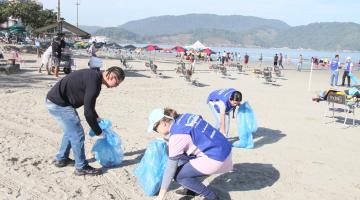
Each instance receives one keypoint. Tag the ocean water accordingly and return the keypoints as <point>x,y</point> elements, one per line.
<point>292,54</point>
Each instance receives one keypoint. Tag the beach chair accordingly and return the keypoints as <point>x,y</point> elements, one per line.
<point>181,68</point>
<point>124,62</point>
<point>239,67</point>
<point>151,66</point>
<point>267,75</point>
<point>277,71</point>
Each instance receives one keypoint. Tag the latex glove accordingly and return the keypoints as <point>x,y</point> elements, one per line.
<point>101,136</point>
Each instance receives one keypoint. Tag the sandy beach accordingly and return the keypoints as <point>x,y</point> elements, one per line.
<point>298,153</point>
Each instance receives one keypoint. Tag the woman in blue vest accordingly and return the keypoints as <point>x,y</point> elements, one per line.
<point>221,102</point>
<point>348,68</point>
<point>334,67</point>
<point>196,149</point>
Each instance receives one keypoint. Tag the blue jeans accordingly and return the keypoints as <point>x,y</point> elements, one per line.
<point>188,177</point>
<point>334,77</point>
<point>74,137</point>
<point>217,120</point>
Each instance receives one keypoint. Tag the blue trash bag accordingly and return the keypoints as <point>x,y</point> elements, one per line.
<point>108,151</point>
<point>246,123</point>
<point>354,79</point>
<point>150,170</point>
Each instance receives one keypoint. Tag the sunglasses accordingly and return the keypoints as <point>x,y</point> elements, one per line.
<point>156,126</point>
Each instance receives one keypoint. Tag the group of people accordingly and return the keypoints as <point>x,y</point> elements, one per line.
<point>278,60</point>
<point>226,58</point>
<point>52,55</point>
<point>195,147</point>
<point>335,67</point>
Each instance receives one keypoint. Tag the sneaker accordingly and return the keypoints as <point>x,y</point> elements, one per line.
<point>88,170</point>
<point>186,192</point>
<point>65,162</point>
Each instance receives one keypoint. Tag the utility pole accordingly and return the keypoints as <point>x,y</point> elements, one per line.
<point>59,18</point>
<point>58,11</point>
<point>77,13</point>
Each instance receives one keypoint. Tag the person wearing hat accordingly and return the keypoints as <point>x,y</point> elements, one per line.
<point>196,149</point>
<point>221,102</point>
<point>347,71</point>
<point>77,89</point>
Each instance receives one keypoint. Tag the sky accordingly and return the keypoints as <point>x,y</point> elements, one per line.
<point>107,13</point>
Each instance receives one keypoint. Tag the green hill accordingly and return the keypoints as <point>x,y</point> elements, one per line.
<point>243,31</point>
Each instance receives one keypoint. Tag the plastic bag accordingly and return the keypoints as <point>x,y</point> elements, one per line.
<point>354,79</point>
<point>246,123</point>
<point>151,168</point>
<point>108,151</point>
<point>95,62</point>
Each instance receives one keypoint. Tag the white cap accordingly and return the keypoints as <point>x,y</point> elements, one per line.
<point>155,116</point>
<point>348,58</point>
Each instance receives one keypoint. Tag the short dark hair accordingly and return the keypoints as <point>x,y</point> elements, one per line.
<point>120,74</point>
<point>236,96</point>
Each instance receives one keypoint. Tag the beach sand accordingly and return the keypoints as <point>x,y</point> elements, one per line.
<point>297,155</point>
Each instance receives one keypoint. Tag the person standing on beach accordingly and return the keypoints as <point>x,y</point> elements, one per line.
<point>57,45</point>
<point>300,62</point>
<point>334,67</point>
<point>92,49</point>
<point>45,58</point>
<point>196,149</point>
<point>281,61</point>
<point>275,60</point>
<point>246,59</point>
<point>80,88</point>
<point>347,71</point>
<point>221,102</point>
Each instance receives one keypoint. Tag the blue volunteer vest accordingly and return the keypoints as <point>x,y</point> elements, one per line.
<point>334,64</point>
<point>205,137</point>
<point>348,66</point>
<point>224,96</point>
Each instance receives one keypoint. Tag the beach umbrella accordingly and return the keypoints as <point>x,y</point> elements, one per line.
<point>150,48</point>
<point>179,49</point>
<point>208,51</point>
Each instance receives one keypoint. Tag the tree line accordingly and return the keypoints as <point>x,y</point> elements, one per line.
<point>32,15</point>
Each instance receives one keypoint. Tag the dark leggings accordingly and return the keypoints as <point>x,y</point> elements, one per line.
<point>346,75</point>
<point>188,177</point>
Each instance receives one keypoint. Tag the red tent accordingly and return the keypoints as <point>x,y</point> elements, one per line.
<point>179,49</point>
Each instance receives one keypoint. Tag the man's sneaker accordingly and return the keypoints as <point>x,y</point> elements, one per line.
<point>88,170</point>
<point>65,162</point>
<point>186,192</point>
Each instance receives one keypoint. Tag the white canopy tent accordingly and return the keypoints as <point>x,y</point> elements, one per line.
<point>197,45</point>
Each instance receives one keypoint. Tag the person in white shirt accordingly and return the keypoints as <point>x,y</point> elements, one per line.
<point>347,71</point>
<point>92,49</point>
<point>45,59</point>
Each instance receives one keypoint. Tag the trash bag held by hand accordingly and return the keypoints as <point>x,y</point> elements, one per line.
<point>246,123</point>
<point>108,151</point>
<point>151,168</point>
<point>354,79</point>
